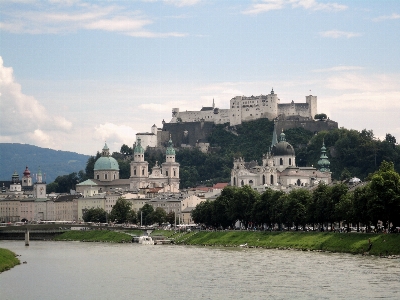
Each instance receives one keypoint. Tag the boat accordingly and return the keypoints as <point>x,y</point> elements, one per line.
<point>145,240</point>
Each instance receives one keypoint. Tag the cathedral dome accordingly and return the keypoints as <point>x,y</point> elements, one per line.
<point>282,148</point>
<point>106,163</point>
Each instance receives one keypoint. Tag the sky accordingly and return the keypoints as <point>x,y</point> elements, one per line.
<point>75,74</point>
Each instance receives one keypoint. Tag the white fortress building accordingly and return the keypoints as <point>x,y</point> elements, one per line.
<point>243,109</point>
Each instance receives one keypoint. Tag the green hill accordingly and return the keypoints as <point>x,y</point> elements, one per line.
<point>53,163</point>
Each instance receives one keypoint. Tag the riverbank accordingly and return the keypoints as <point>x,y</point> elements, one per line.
<point>105,236</point>
<point>8,260</point>
<point>355,243</point>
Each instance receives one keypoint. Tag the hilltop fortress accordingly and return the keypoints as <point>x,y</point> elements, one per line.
<point>191,128</point>
<point>243,109</point>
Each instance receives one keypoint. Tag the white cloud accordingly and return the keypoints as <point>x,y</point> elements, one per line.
<point>393,16</point>
<point>339,69</point>
<point>265,6</point>
<point>23,116</point>
<point>115,135</point>
<point>313,5</point>
<point>60,17</point>
<point>339,34</point>
<point>181,3</point>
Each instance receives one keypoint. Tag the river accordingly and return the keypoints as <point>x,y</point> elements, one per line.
<point>76,270</point>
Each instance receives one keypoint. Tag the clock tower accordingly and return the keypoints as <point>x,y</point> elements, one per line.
<point>39,188</point>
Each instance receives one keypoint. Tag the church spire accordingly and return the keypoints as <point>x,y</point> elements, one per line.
<point>323,162</point>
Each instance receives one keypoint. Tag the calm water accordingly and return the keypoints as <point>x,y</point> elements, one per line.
<point>73,270</point>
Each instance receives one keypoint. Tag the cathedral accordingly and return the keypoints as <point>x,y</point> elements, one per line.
<point>106,173</point>
<point>279,170</point>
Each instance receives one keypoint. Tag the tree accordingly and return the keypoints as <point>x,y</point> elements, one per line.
<point>126,150</point>
<point>120,211</point>
<point>295,207</point>
<point>384,201</point>
<point>90,165</point>
<point>145,215</point>
<point>170,217</point>
<point>95,215</point>
<point>159,216</point>
<point>320,116</point>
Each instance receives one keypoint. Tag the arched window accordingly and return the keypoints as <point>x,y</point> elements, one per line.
<point>114,176</point>
<point>281,161</point>
<point>271,179</point>
<point>251,182</point>
<point>105,176</point>
<point>298,182</point>
<point>174,173</point>
<point>242,183</point>
<point>234,181</point>
<point>134,171</point>
<point>97,176</point>
<point>166,173</point>
<point>263,179</point>
<point>290,161</point>
<point>142,171</point>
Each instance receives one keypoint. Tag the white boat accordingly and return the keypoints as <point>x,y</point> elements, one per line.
<point>146,240</point>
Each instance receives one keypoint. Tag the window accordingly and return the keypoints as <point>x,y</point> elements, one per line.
<point>271,179</point>
<point>281,161</point>
<point>290,161</point>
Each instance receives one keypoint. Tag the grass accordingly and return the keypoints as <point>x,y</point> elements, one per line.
<point>355,243</point>
<point>7,260</point>
<point>94,236</point>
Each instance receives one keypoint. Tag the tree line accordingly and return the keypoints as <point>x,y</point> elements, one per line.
<point>377,200</point>
<point>122,212</point>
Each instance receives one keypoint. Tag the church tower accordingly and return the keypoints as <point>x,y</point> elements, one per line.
<point>39,188</point>
<point>323,162</point>
<point>139,167</point>
<point>170,168</point>
<point>15,185</point>
<point>27,179</point>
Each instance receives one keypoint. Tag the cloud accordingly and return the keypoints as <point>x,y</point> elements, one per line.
<point>115,135</point>
<point>339,69</point>
<point>393,16</point>
<point>22,115</point>
<point>313,5</point>
<point>181,3</point>
<point>339,34</point>
<point>59,17</point>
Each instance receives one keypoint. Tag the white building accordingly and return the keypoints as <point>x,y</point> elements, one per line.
<point>279,170</point>
<point>244,109</point>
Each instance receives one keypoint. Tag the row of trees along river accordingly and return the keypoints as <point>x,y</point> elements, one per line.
<point>122,212</point>
<point>378,200</point>
<point>351,153</point>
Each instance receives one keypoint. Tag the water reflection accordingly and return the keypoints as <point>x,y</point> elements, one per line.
<point>71,270</point>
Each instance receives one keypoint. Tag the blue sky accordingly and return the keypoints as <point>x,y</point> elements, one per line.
<point>74,74</point>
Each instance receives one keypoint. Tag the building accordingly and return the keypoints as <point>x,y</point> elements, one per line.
<point>161,176</point>
<point>243,109</point>
<point>279,170</point>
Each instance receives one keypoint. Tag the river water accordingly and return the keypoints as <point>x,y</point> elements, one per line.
<point>76,270</point>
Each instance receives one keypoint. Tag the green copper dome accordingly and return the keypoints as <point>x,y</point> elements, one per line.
<point>170,149</point>
<point>138,148</point>
<point>106,163</point>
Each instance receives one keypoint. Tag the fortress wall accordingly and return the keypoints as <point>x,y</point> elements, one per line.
<point>195,131</point>
<point>311,125</point>
<point>294,109</point>
<point>147,139</point>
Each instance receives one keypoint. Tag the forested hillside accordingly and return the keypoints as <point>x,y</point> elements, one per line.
<point>351,153</point>
<point>15,157</point>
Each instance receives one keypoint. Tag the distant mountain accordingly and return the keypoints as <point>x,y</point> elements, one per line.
<point>52,163</point>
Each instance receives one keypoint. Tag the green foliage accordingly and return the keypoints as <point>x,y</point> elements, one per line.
<point>121,211</point>
<point>145,215</point>
<point>7,260</point>
<point>63,184</point>
<point>320,116</point>
<point>94,236</point>
<point>126,150</point>
<point>159,216</point>
<point>95,215</point>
